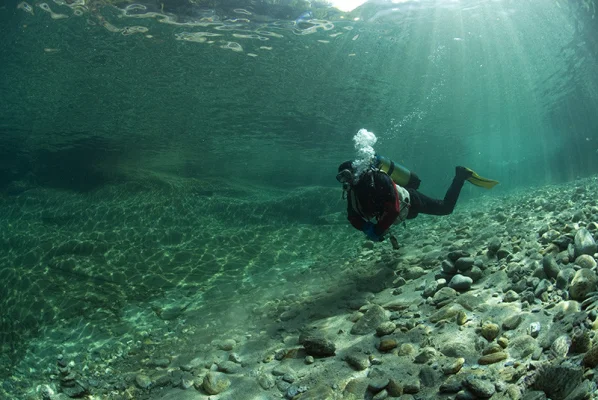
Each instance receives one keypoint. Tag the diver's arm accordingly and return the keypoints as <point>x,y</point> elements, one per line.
<point>353,217</point>
<point>391,209</point>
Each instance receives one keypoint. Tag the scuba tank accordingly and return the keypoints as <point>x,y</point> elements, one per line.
<point>397,172</point>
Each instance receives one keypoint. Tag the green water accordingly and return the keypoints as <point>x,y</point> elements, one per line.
<point>192,149</point>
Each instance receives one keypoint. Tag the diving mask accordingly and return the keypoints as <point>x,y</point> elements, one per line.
<point>345,177</point>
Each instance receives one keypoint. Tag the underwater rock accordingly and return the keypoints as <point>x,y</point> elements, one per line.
<point>394,388</point>
<point>453,367</point>
<point>461,318</point>
<point>428,376</point>
<point>266,381</point>
<point>414,273</point>
<point>584,243</point>
<point>228,367</point>
<point>234,357</point>
<point>583,391</point>
<point>480,388</point>
<point>387,344</point>
<point>512,322</point>
<point>490,331</point>
<point>460,282</point>
<point>448,267</point>
<point>584,282</point>
<point>550,266</point>
<point>294,391</point>
<point>492,358</point>
<point>143,381</point>
<point>564,278</point>
<point>503,254</point>
<point>356,389</point>
<point>215,383</point>
<point>427,354</point>
<point>227,344</point>
<point>557,381</point>
<point>560,347</point>
<point>358,360</point>
<point>542,288</point>
<point>378,380</point>
<point>444,296</point>
<point>522,346</point>
<point>492,348</point>
<point>451,385</point>
<point>373,317</point>
<point>464,263</point>
<point>458,348</point>
<point>446,312</point>
<point>455,255</point>
<point>385,328</point>
<point>590,359</point>
<point>162,362</point>
<point>318,346</point>
<point>534,329</point>
<point>586,261</point>
<point>494,245</point>
<point>430,289</point>
<point>581,342</point>
<point>511,296</point>
<point>412,386</point>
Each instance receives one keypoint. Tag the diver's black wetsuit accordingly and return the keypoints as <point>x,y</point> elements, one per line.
<point>421,203</point>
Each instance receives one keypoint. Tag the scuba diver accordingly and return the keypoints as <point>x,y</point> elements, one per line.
<point>387,192</point>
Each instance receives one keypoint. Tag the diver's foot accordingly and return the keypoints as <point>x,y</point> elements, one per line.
<point>463,173</point>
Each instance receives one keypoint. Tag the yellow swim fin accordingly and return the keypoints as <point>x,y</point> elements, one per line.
<point>477,180</point>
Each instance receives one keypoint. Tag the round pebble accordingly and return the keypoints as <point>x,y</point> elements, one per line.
<point>490,331</point>
<point>387,344</point>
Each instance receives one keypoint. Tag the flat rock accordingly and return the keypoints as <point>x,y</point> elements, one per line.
<point>374,316</point>
<point>451,385</point>
<point>522,346</point>
<point>446,312</point>
<point>444,296</point>
<point>143,381</point>
<point>385,328</point>
<point>356,388</point>
<point>319,346</point>
<point>359,361</point>
<point>455,255</point>
<point>512,322</point>
<point>414,273</point>
<point>479,387</point>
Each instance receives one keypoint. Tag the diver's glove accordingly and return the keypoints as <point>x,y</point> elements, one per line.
<point>370,231</point>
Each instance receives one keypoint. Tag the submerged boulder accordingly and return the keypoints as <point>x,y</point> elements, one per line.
<point>584,243</point>
<point>584,282</point>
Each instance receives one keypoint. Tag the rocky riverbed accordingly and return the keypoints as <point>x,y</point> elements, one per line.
<point>495,301</point>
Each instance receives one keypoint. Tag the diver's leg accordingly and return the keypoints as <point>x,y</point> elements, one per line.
<point>421,203</point>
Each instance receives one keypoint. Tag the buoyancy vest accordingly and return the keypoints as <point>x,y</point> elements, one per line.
<point>372,190</point>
